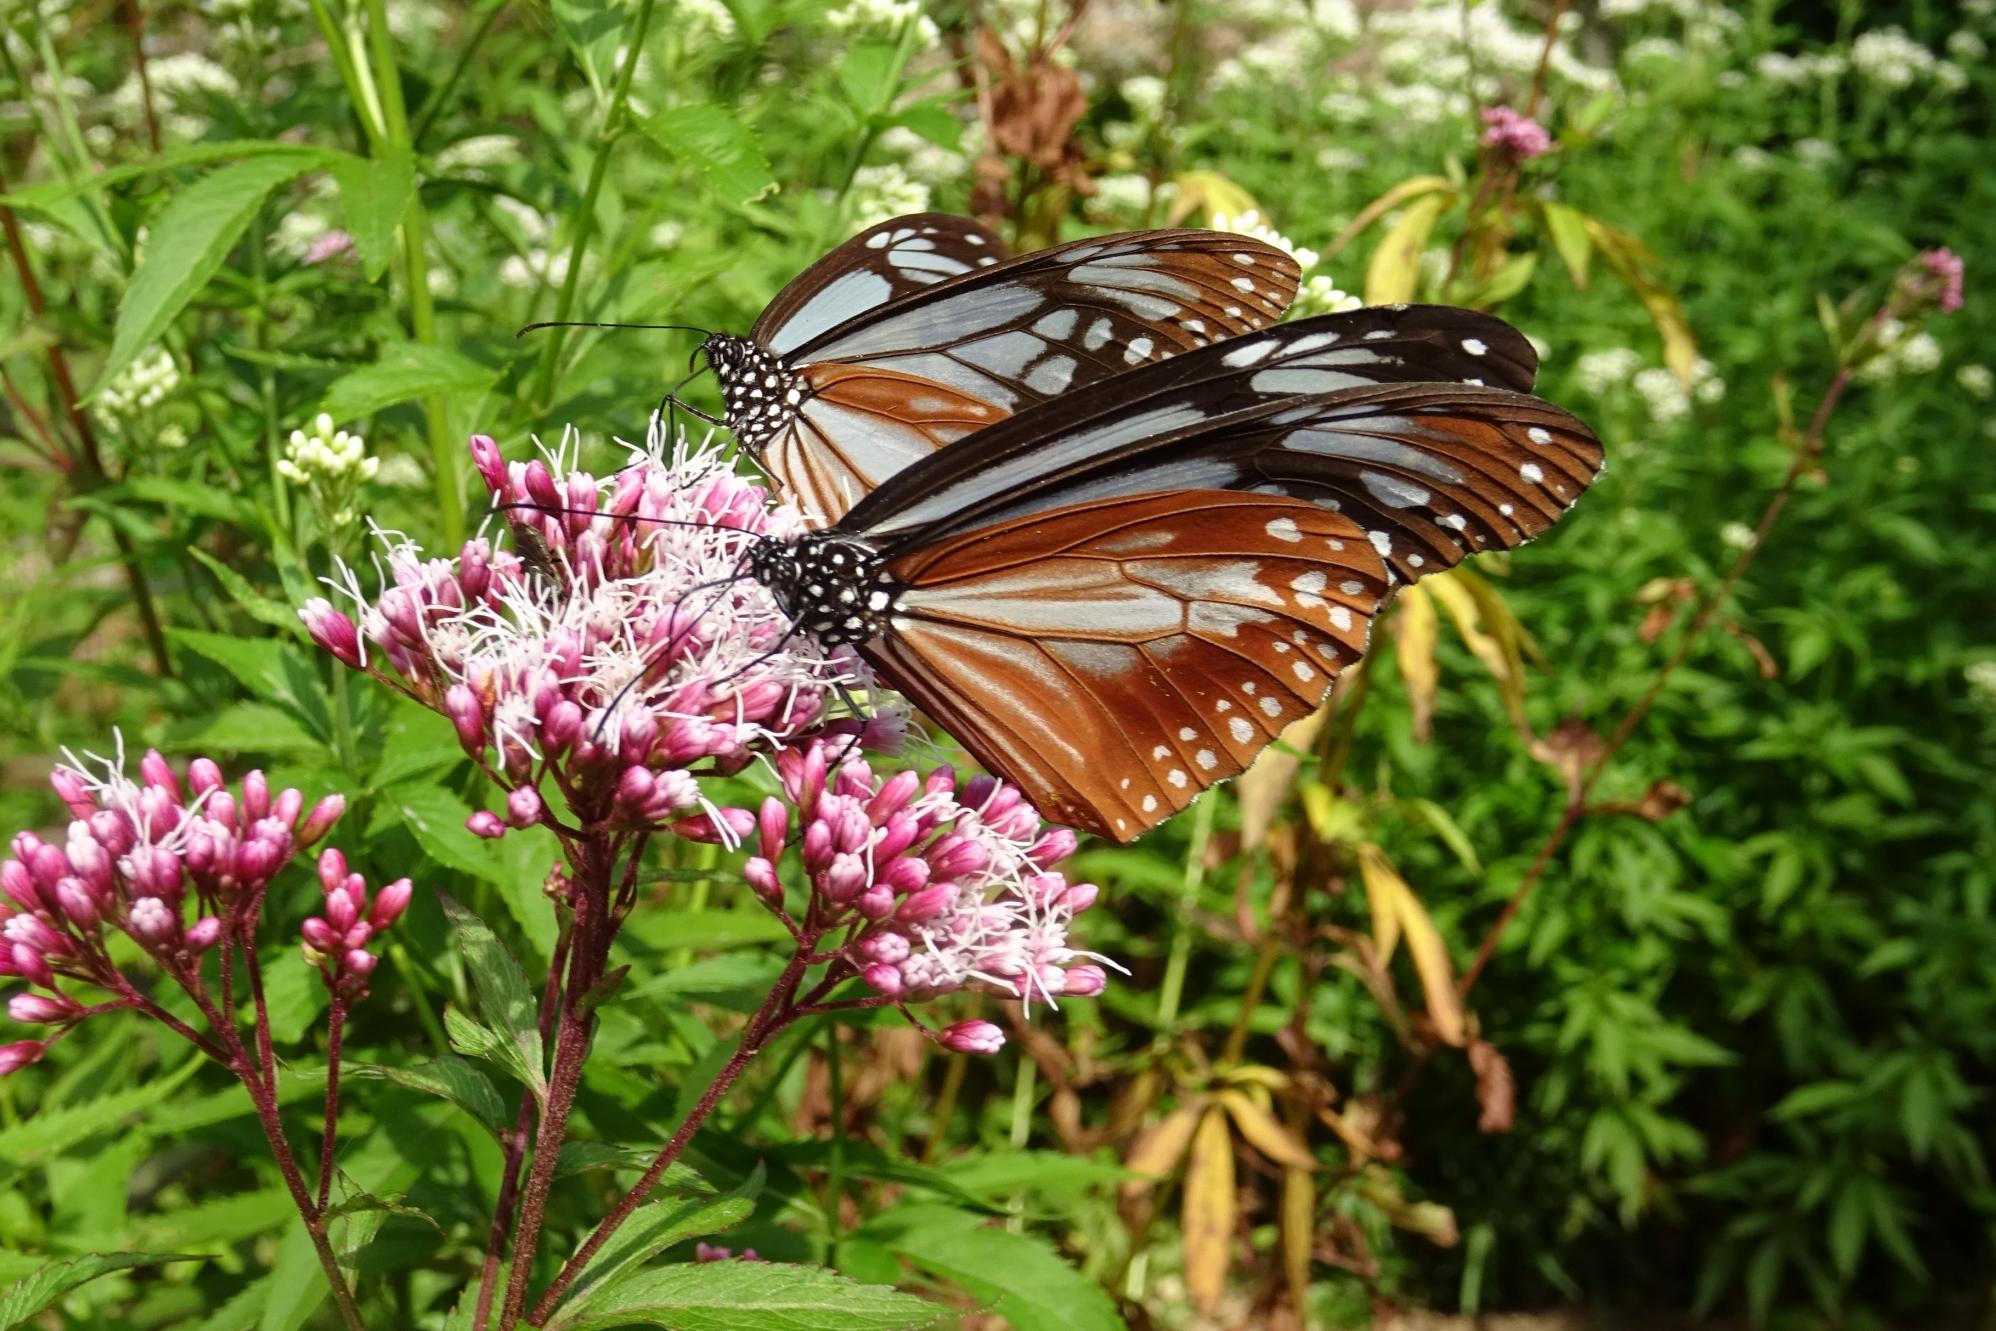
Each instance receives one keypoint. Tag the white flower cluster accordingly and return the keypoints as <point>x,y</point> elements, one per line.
<point>1601,372</point>
<point>476,157</point>
<point>1891,59</point>
<point>1145,94</point>
<point>1475,48</point>
<point>1250,223</point>
<point>1980,676</point>
<point>140,386</point>
<point>1902,351</point>
<point>326,455</point>
<point>1127,194</point>
<point>929,163</point>
<point>181,83</point>
<point>1737,536</point>
<point>1663,393</point>
<point>1320,295</point>
<point>1817,154</point>
<point>702,20</point>
<point>890,16</point>
<point>1976,380</point>
<point>883,191</point>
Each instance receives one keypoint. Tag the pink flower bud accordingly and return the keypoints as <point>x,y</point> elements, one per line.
<point>905,875</point>
<point>34,1009</point>
<point>1086,981</point>
<point>342,910</point>
<point>389,903</point>
<point>486,825</point>
<point>19,885</point>
<point>319,935</point>
<point>884,978</point>
<point>289,804</point>
<point>90,860</point>
<point>31,932</point>
<point>491,466</point>
<point>14,1057</point>
<point>47,866</point>
<point>467,715</point>
<point>320,821</point>
<point>1080,897</point>
<point>152,922</point>
<point>259,859</point>
<point>1052,848</point>
<point>112,830</point>
<point>955,856</point>
<point>204,778</point>
<point>563,724</point>
<point>817,847</point>
<point>772,827</point>
<point>474,567</point>
<point>890,948</point>
<point>972,1037</point>
<point>332,870</point>
<point>732,827</point>
<point>256,796</point>
<point>761,876</point>
<point>634,786</point>
<point>72,791</point>
<point>31,965</point>
<point>925,904</point>
<point>524,807</point>
<point>540,486</point>
<point>844,879</point>
<point>877,902</point>
<point>902,830</point>
<point>357,962</point>
<point>154,771</point>
<point>78,903</point>
<point>204,933</point>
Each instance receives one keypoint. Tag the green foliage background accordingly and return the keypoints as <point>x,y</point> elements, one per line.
<point>1752,1041</point>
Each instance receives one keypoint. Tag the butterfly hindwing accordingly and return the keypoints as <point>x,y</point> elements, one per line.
<point>1115,658</point>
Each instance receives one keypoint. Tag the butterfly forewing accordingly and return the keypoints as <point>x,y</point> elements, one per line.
<point>1115,658</point>
<point>880,265</point>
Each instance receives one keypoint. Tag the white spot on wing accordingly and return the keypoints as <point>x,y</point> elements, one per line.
<point>1285,529</point>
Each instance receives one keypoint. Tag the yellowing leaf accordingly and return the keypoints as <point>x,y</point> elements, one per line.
<point>1633,263</point>
<point>1404,192</point>
<point>1261,789</point>
<point>1299,1216</point>
<point>1265,1133</point>
<point>1210,193</point>
<point>1567,227</point>
<point>1159,1147</point>
<point>1395,269</point>
<point>1331,818</point>
<point>1207,1221</point>
<point>1470,602</point>
<point>1431,1220</point>
<point>1414,638</point>
<point>1397,911</point>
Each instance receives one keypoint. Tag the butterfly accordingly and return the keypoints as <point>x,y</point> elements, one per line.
<point>1116,599</point>
<point>922,329</point>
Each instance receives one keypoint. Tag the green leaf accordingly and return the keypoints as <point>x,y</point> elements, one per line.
<point>213,1225</point>
<point>592,29</point>
<point>295,994</point>
<point>1567,226</point>
<point>452,1078</point>
<point>264,609</point>
<point>749,1296</point>
<point>44,197</point>
<point>405,370</point>
<point>868,74</point>
<point>264,666</point>
<point>190,237</point>
<point>717,145</point>
<point>54,1130</point>
<point>504,999</point>
<point>1033,1289</point>
<point>657,1226</point>
<point>579,1157</point>
<point>374,192</point>
<point>298,1284</point>
<point>45,1286</point>
<point>178,496</point>
<point>249,727</point>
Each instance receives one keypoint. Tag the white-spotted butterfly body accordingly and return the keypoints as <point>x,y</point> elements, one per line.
<point>922,330</point>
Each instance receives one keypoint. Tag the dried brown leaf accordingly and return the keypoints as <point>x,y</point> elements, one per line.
<point>1391,897</point>
<point>1265,1132</point>
<point>1496,1090</point>
<point>1158,1148</point>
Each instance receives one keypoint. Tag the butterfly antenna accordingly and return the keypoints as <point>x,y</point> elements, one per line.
<point>590,323</point>
<point>599,513</point>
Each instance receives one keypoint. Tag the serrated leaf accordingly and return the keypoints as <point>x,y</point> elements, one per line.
<point>749,1296</point>
<point>45,196</point>
<point>452,1078</point>
<point>54,1130</point>
<point>264,609</point>
<point>504,999</point>
<point>401,372</point>
<point>248,727</point>
<point>1395,270</point>
<point>374,192</point>
<point>51,1282</point>
<point>266,667</point>
<point>718,146</point>
<point>189,238</point>
<point>1028,1285</point>
<point>657,1226</point>
<point>1207,1217</point>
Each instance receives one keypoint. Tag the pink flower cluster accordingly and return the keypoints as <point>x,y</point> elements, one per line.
<point>1514,133</point>
<point>176,867</point>
<point>621,643</point>
<point>935,887</point>
<point>714,1252</point>
<point>336,942</point>
<point>1944,266</point>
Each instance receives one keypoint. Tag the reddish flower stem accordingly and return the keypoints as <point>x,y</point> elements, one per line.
<point>135,23</point>
<point>336,1022</point>
<point>775,1013</point>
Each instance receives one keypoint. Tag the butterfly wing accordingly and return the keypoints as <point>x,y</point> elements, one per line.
<point>1115,658</point>
<point>1353,412</point>
<point>1033,328</point>
<point>882,264</point>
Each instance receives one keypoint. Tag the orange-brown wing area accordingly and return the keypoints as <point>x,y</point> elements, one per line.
<point>857,426</point>
<point>1115,658</point>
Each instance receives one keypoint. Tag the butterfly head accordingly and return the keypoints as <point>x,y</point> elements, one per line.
<point>834,586</point>
<point>760,394</point>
